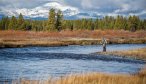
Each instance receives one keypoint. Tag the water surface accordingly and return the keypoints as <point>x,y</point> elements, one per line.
<point>43,62</point>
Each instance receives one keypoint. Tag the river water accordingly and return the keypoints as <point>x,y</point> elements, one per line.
<point>37,63</point>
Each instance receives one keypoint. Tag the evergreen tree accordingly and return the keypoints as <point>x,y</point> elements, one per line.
<point>133,22</point>
<point>13,23</point>
<point>1,25</point>
<point>68,25</point>
<point>90,25</point>
<point>44,24</point>
<point>136,22</point>
<point>96,24</point>
<point>144,24</point>
<point>4,23</point>
<point>77,25</point>
<point>55,22</point>
<point>28,25</point>
<point>117,23</point>
<point>59,20</point>
<point>83,23</point>
<point>21,23</point>
<point>106,20</point>
<point>101,24</point>
<point>141,25</point>
<point>51,20</point>
<point>125,24</point>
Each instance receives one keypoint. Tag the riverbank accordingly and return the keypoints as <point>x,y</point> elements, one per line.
<point>99,78</point>
<point>12,39</point>
<point>93,78</point>
<point>135,53</point>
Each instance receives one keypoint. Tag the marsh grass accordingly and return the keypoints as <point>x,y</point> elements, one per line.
<point>11,38</point>
<point>98,78</point>
<point>12,35</point>
<point>93,78</point>
<point>135,53</point>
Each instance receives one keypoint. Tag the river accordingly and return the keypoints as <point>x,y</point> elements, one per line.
<point>37,63</point>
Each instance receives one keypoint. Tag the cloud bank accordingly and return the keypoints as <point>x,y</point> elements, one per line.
<point>92,7</point>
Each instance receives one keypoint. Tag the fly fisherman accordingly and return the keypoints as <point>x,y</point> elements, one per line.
<point>104,42</point>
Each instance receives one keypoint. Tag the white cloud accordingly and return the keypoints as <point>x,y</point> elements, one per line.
<point>41,11</point>
<point>124,8</point>
<point>86,4</point>
<point>100,7</point>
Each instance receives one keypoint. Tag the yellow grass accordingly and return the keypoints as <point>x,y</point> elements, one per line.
<point>11,34</point>
<point>98,78</point>
<point>138,53</point>
<point>93,78</point>
<point>11,38</point>
<point>135,53</point>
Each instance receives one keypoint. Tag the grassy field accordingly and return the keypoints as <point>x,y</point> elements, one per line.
<point>81,37</point>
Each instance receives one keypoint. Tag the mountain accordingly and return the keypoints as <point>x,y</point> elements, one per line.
<point>41,12</point>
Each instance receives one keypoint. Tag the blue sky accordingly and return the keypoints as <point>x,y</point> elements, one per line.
<point>99,7</point>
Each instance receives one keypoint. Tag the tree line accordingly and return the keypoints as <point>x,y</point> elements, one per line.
<point>56,22</point>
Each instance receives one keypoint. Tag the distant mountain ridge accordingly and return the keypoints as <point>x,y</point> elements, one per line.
<point>41,12</point>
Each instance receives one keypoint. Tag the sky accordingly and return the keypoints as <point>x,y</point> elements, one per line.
<point>98,7</point>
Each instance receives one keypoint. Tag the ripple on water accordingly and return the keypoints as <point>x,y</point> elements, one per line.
<point>23,63</point>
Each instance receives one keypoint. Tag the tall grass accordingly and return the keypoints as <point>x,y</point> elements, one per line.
<point>135,53</point>
<point>12,38</point>
<point>93,78</point>
<point>10,34</point>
